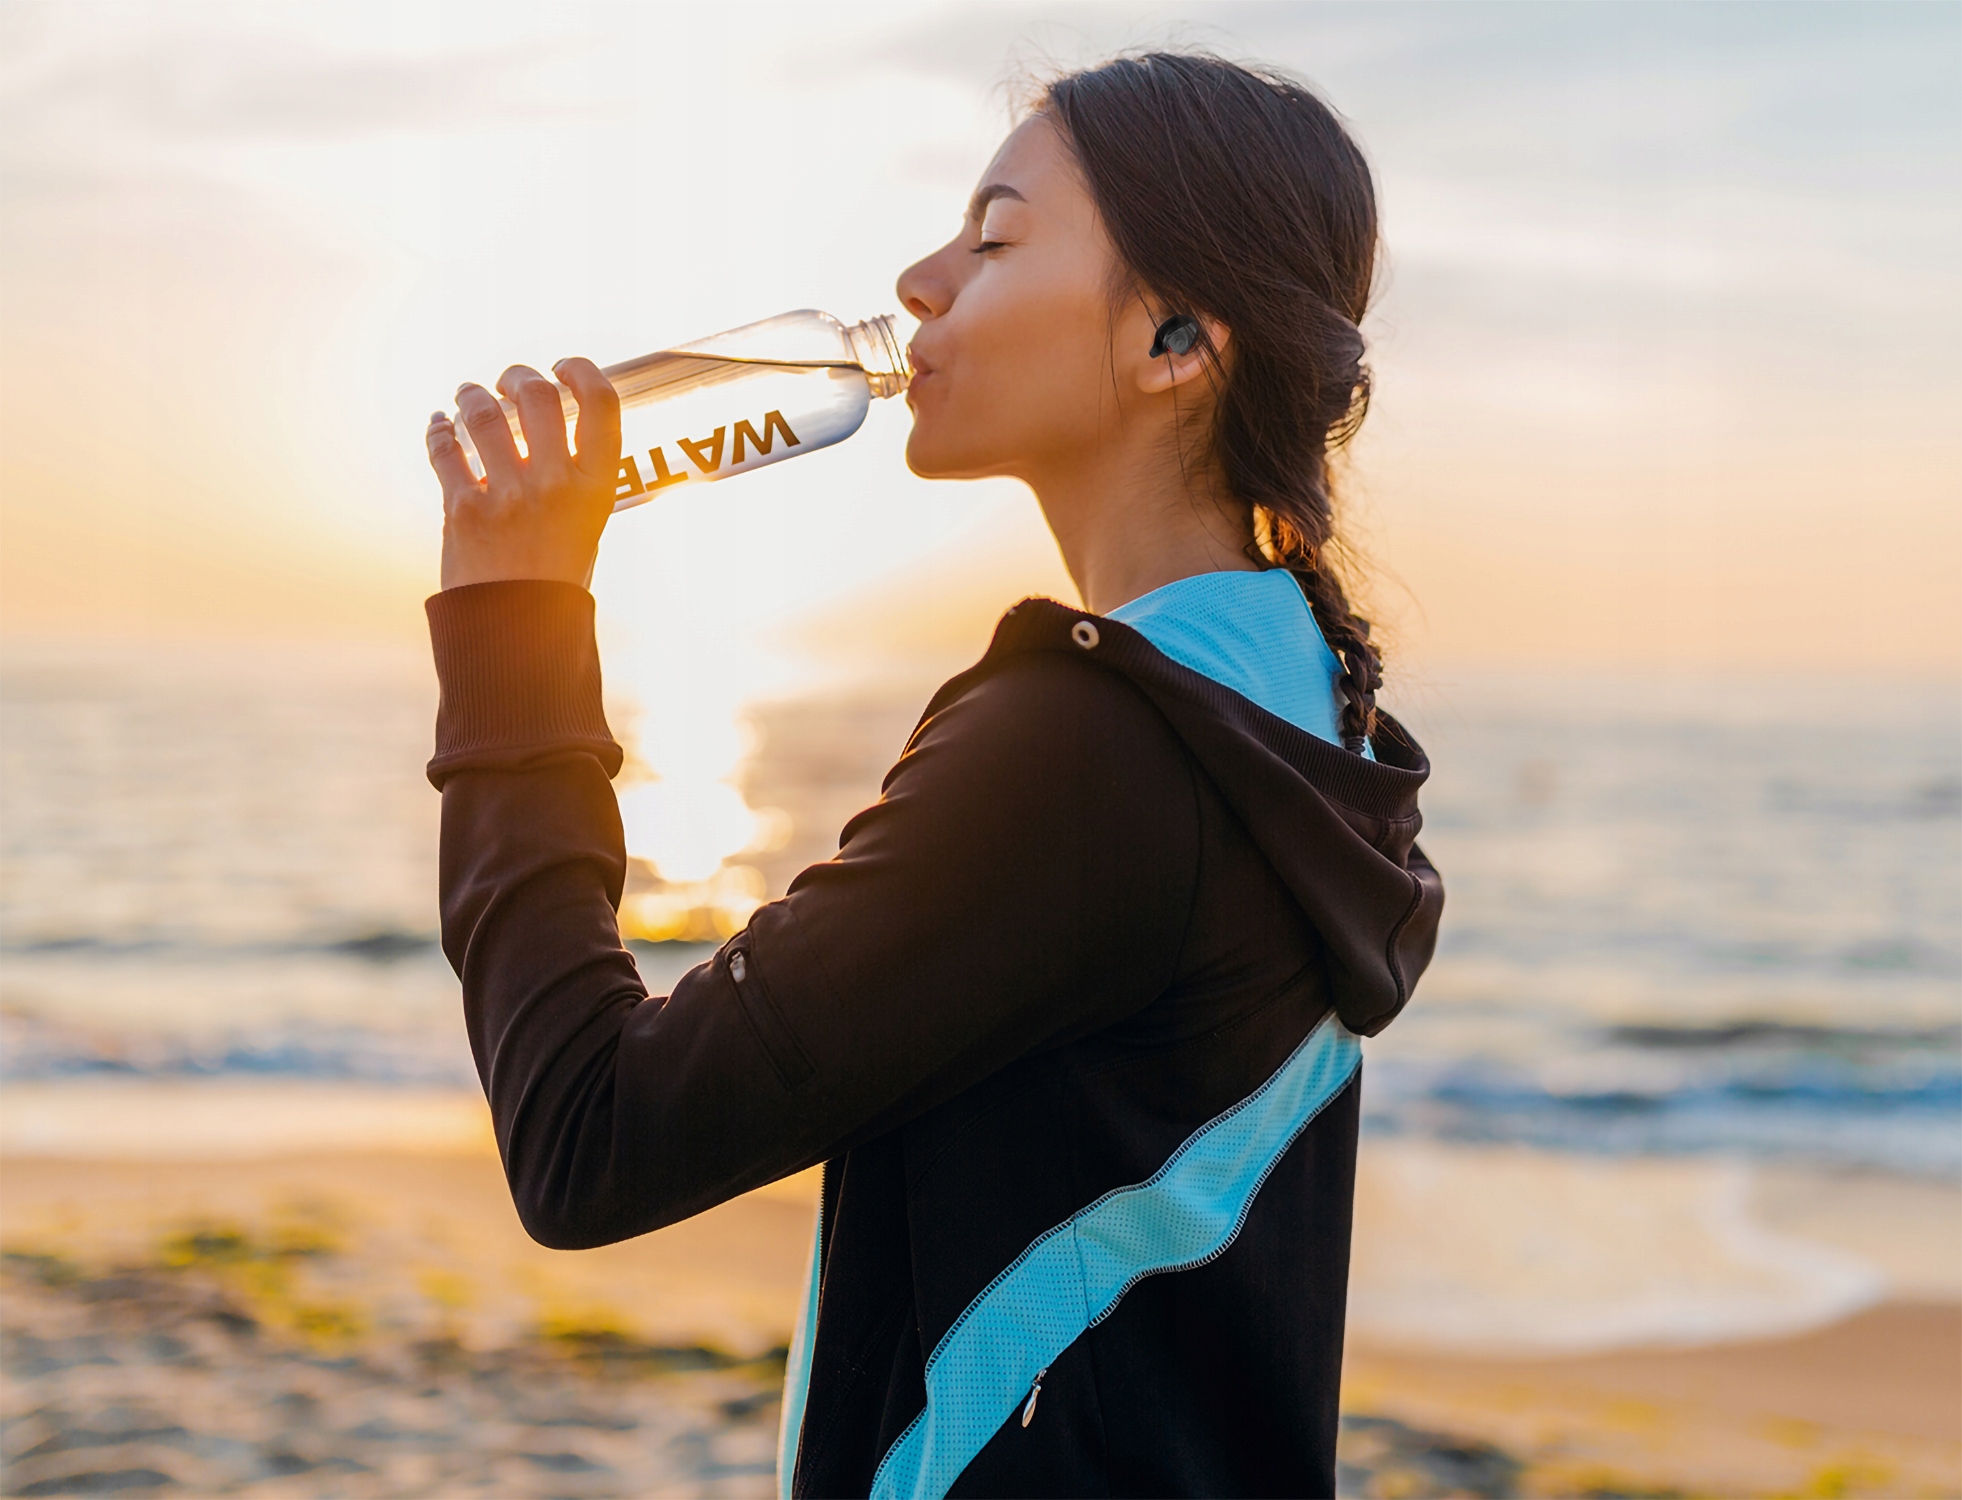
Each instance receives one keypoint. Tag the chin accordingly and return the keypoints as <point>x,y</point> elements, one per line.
<point>930,459</point>
<point>931,455</point>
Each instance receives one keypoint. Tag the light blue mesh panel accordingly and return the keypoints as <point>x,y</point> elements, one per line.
<point>1252,632</point>
<point>1071,1278</point>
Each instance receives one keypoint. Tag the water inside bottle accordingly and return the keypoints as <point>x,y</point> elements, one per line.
<point>708,419</point>
<point>740,400</point>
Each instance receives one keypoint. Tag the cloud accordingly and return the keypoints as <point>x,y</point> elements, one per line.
<point>201,86</point>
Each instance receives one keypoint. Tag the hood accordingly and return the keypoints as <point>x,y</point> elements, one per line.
<point>1339,830</point>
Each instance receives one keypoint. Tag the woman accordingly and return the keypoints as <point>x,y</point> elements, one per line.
<point>1070,1019</point>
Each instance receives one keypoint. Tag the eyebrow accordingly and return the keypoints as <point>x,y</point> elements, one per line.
<point>986,195</point>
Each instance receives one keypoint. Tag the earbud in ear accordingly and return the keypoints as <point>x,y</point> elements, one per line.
<point>1176,335</point>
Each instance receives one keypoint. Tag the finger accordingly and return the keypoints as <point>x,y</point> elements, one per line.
<point>540,413</point>
<point>489,430</point>
<point>598,433</point>
<point>447,459</point>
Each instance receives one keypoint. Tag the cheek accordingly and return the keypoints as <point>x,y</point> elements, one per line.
<point>1023,377</point>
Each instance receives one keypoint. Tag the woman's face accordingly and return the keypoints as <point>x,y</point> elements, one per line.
<point>1017,361</point>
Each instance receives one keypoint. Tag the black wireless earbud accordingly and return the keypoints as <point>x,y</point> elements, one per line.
<point>1176,335</point>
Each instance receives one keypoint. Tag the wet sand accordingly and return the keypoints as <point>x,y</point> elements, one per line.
<point>1870,1405</point>
<point>368,1323</point>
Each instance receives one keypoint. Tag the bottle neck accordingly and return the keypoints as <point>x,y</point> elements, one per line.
<point>878,351</point>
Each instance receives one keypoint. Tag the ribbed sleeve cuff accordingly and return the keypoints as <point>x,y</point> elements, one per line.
<point>520,677</point>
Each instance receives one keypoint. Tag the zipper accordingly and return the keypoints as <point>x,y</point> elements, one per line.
<point>824,1188</point>
<point>1028,1411</point>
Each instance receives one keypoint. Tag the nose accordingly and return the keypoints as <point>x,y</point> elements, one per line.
<point>924,289</point>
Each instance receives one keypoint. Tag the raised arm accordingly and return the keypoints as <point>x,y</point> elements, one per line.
<point>1004,893</point>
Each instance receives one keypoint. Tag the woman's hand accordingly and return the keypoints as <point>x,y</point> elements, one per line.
<point>529,517</point>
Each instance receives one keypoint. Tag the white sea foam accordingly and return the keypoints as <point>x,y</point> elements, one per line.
<point>1514,1250</point>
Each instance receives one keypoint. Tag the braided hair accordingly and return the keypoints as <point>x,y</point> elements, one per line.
<point>1235,194</point>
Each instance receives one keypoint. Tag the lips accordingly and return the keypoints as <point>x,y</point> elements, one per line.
<point>922,370</point>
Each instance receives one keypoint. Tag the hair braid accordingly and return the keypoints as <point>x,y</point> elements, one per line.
<point>1347,634</point>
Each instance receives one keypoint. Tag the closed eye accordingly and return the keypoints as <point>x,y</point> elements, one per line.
<point>986,245</point>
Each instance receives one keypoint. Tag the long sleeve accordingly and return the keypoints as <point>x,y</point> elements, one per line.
<point>1003,895</point>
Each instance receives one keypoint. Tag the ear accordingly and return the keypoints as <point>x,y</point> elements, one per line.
<point>1169,370</point>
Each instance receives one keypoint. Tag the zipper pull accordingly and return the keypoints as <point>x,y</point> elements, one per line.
<point>1035,1390</point>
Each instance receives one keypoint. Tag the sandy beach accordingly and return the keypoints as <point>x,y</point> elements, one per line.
<point>357,1321</point>
<point>378,1324</point>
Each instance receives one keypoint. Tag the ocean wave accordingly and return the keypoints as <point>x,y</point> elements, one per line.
<point>1733,1036</point>
<point>1937,798</point>
<point>1679,949</point>
<point>34,1047</point>
<point>377,945</point>
<point>1887,1101</point>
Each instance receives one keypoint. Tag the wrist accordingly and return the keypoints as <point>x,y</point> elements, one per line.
<point>465,566</point>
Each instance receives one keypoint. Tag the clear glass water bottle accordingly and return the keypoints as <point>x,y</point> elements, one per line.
<point>736,401</point>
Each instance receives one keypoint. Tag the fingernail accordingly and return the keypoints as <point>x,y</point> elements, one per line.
<point>438,416</point>
<point>462,388</point>
<point>555,365</point>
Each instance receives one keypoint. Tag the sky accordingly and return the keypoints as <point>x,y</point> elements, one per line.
<point>1666,347</point>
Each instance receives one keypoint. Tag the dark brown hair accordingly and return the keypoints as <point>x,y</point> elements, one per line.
<point>1235,194</point>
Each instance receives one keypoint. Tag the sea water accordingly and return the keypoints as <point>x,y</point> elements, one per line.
<point>1689,918</point>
